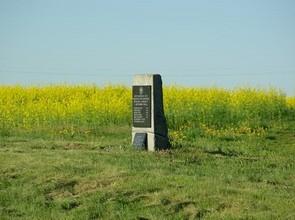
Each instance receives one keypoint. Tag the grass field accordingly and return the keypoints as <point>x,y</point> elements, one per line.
<point>63,157</point>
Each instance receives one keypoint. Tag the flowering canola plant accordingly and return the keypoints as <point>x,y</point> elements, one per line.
<point>68,109</point>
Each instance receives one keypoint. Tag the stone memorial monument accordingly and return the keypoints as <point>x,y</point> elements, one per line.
<point>149,128</point>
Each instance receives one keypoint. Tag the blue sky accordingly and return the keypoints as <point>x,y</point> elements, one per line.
<point>193,43</point>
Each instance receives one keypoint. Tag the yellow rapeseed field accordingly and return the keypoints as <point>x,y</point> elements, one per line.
<point>291,102</point>
<point>66,109</point>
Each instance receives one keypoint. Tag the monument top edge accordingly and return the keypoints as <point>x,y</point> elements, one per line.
<point>146,74</point>
<point>146,79</point>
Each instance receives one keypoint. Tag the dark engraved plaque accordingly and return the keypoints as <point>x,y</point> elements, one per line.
<point>141,96</point>
<point>140,141</point>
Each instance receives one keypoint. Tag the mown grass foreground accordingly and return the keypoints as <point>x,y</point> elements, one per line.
<point>247,178</point>
<point>65,153</point>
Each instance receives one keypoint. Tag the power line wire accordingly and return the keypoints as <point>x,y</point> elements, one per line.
<point>107,73</point>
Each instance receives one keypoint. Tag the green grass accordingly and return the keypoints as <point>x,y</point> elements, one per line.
<point>246,177</point>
